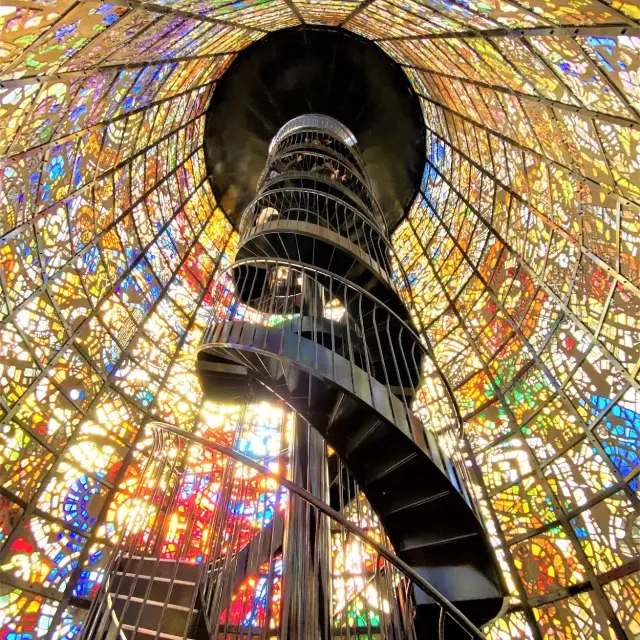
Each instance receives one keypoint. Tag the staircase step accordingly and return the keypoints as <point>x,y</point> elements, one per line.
<point>405,517</point>
<point>380,454</point>
<point>344,407</point>
<point>158,567</point>
<point>143,633</point>
<point>418,478</point>
<point>175,619</point>
<point>361,432</point>
<point>393,464</point>
<point>414,498</point>
<point>178,592</point>
<point>427,544</point>
<point>153,603</point>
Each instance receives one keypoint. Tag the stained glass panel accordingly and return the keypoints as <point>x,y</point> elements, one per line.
<point>532,166</point>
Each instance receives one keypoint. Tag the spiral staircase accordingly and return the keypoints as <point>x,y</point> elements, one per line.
<point>314,317</point>
<point>309,316</point>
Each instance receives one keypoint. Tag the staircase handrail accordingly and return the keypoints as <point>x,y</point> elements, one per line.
<point>322,506</point>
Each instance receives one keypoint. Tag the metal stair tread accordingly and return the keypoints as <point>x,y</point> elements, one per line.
<point>154,603</point>
<point>393,468</point>
<point>417,503</point>
<point>154,559</point>
<point>361,436</point>
<point>184,583</point>
<point>150,632</point>
<point>437,543</point>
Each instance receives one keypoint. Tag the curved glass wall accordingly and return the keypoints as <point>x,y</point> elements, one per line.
<point>522,250</point>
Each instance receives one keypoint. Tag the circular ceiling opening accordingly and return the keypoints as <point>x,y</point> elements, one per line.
<point>315,70</point>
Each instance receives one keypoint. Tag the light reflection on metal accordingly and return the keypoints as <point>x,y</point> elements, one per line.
<point>314,121</point>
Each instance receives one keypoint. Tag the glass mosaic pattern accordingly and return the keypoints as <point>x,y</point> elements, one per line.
<point>522,251</point>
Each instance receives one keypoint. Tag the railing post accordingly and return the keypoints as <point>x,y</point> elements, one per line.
<point>305,566</point>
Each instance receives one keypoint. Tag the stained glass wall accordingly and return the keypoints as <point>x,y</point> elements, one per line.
<point>110,239</point>
<point>522,251</point>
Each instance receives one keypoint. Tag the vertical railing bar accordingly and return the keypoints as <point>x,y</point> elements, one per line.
<point>257,545</point>
<point>357,544</point>
<point>122,614</point>
<point>441,624</point>
<point>172,497</point>
<point>270,580</point>
<point>179,552</point>
<point>309,556</point>
<point>395,361</point>
<point>381,352</point>
<point>346,537</point>
<point>391,593</point>
<point>217,528</point>
<point>383,620</point>
<point>288,531</point>
<point>366,599</point>
<point>227,586</point>
<point>236,536</point>
<point>163,526</point>
<point>326,549</point>
<point>97,611</point>
<point>331,324</point>
<point>370,241</point>
<point>231,558</point>
<point>303,293</point>
<point>224,503</point>
<point>412,385</point>
<point>272,563</point>
<point>317,304</point>
<point>364,335</point>
<point>202,569</point>
<point>246,320</point>
<point>347,330</point>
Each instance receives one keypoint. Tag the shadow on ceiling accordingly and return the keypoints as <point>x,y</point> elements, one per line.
<point>304,70</point>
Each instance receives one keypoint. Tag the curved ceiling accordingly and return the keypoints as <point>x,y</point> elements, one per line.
<point>303,70</point>
<point>522,251</point>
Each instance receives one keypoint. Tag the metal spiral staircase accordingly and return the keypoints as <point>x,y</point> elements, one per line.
<point>313,316</point>
<point>379,538</point>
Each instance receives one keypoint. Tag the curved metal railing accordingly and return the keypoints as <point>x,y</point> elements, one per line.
<point>300,179</point>
<point>275,208</point>
<point>314,121</point>
<point>320,138</point>
<point>308,140</point>
<point>320,162</point>
<point>351,326</point>
<point>296,147</point>
<point>178,578</point>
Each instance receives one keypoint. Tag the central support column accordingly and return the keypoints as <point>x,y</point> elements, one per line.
<point>306,591</point>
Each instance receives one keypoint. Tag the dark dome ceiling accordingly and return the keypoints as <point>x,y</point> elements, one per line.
<point>305,70</point>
